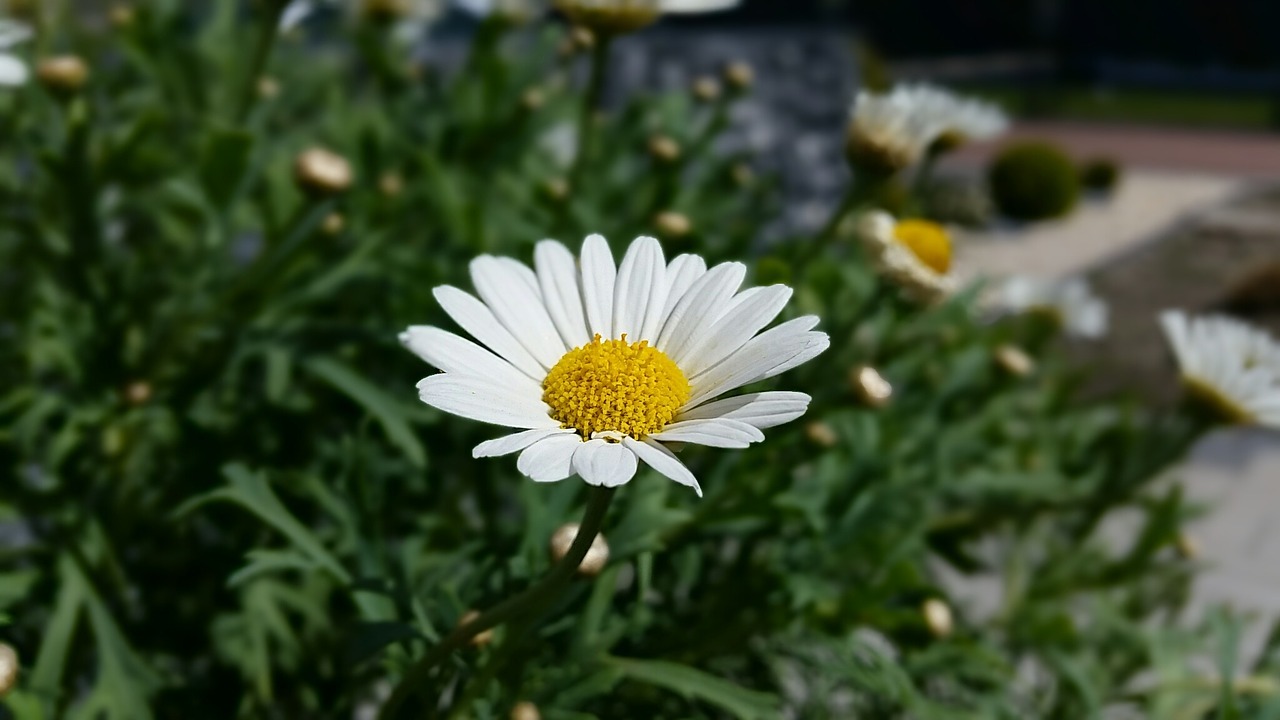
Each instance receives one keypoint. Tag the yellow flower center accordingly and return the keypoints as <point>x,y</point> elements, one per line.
<point>928,241</point>
<point>614,385</point>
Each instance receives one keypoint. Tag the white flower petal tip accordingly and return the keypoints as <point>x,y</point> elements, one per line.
<point>1229,366</point>
<point>604,463</point>
<point>687,7</point>
<point>598,366</point>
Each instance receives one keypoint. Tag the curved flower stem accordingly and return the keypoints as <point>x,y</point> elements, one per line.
<point>268,32</point>
<point>511,608</point>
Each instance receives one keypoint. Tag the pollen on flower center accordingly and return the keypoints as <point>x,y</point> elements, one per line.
<point>928,241</point>
<point>614,385</point>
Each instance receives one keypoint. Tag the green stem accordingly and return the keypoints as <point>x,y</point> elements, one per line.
<point>267,34</point>
<point>512,608</point>
<point>924,174</point>
<point>592,102</point>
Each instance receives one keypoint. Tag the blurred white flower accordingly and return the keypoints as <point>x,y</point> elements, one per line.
<point>560,142</point>
<point>1070,301</point>
<point>887,131</point>
<point>295,13</point>
<point>952,118</point>
<point>516,9</point>
<point>13,71</point>
<point>686,7</point>
<point>914,254</point>
<point>1230,365</point>
<point>412,17</point>
<point>601,366</point>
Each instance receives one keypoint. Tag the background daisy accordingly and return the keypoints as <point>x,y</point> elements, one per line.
<point>1230,365</point>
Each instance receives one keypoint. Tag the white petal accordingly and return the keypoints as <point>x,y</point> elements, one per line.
<point>681,274</point>
<point>511,291</point>
<point>558,279</point>
<point>761,410</point>
<point>599,462</point>
<point>515,443</point>
<point>773,351</point>
<point>748,314</point>
<point>677,7</point>
<point>294,13</point>
<point>477,319</point>
<point>640,293</point>
<point>13,33</point>
<point>551,459</point>
<point>454,354</point>
<point>598,276</point>
<point>13,72</point>
<point>700,307</point>
<point>664,461</point>
<point>715,432</point>
<point>476,399</point>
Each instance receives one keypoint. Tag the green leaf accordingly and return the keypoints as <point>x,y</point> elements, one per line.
<point>224,163</point>
<point>694,684</point>
<point>251,491</point>
<point>374,636</point>
<point>384,408</point>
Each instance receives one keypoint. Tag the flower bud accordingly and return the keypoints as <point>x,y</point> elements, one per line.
<point>391,184</point>
<point>664,149</point>
<point>333,224</point>
<point>706,89</point>
<point>582,38</point>
<point>268,87</point>
<point>480,639</point>
<point>137,392</point>
<point>739,76</point>
<point>65,74</point>
<point>8,668</point>
<point>1014,361</point>
<point>821,434</point>
<point>870,387</point>
<point>533,99</point>
<point>937,615</point>
<point>742,174</point>
<point>321,172</point>
<point>556,190</point>
<point>525,711</point>
<point>672,224</point>
<point>595,559</point>
<point>1187,547</point>
<point>122,16</point>
<point>610,18</point>
<point>384,10</point>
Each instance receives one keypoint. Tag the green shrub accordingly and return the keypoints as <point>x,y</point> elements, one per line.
<point>1100,175</point>
<point>1033,180</point>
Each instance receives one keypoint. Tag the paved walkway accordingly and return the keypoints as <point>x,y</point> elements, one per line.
<point>1174,179</point>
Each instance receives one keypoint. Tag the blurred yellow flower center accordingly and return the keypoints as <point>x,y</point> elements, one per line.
<point>928,241</point>
<point>614,385</point>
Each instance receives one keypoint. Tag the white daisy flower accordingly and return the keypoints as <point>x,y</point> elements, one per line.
<point>1230,365</point>
<point>915,254</point>
<point>412,17</point>
<point>887,131</point>
<point>601,365</point>
<point>1071,302</point>
<point>13,71</point>
<point>515,9</point>
<point>688,7</point>
<point>955,120</point>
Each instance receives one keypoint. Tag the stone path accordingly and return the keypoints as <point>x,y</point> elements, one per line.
<point>1186,222</point>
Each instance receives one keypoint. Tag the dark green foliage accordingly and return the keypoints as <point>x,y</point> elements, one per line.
<point>1100,175</point>
<point>1033,180</point>
<point>224,500</point>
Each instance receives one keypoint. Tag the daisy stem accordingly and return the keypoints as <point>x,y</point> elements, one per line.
<point>592,102</point>
<point>527,602</point>
<point>268,31</point>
